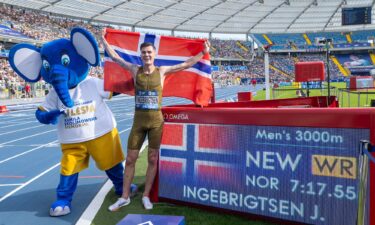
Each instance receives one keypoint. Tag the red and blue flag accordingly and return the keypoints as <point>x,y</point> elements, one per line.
<point>198,151</point>
<point>194,83</point>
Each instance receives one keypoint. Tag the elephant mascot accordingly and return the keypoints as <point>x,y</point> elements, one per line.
<point>86,126</point>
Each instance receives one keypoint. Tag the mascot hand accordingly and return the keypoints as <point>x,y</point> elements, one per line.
<point>48,117</point>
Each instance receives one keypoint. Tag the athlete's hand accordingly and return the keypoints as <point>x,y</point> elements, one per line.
<point>207,46</point>
<point>104,32</point>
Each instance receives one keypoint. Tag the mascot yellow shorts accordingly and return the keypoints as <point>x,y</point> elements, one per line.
<point>105,150</point>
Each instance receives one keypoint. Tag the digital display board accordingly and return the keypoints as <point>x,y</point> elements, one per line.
<point>356,15</point>
<point>302,174</point>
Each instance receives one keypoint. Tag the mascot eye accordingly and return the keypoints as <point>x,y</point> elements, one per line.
<point>65,60</point>
<point>46,65</point>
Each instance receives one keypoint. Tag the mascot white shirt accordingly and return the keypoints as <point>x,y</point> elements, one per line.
<point>81,122</point>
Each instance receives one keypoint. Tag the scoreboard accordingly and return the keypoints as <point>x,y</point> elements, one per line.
<point>257,161</point>
<point>357,15</point>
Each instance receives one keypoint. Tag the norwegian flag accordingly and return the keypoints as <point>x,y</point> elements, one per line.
<point>194,83</point>
<point>198,153</point>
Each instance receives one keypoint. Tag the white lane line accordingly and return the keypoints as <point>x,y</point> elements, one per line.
<point>27,137</point>
<point>28,182</point>
<point>4,144</point>
<point>9,185</point>
<point>124,119</point>
<point>120,98</point>
<point>124,130</point>
<point>53,144</point>
<point>36,177</point>
<point>94,206</point>
<point>28,151</point>
<point>41,174</point>
<point>21,129</point>
<point>21,110</point>
<point>31,145</point>
<point>21,123</point>
<point>12,120</point>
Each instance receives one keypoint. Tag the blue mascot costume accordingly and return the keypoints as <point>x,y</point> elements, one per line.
<point>86,126</point>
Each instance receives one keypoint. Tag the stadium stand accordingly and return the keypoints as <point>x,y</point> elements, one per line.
<point>290,28</point>
<point>308,40</point>
<point>44,26</point>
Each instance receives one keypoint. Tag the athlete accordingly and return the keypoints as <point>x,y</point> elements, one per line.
<point>148,119</point>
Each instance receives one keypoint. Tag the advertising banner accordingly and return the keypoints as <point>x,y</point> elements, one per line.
<point>4,30</point>
<point>299,174</point>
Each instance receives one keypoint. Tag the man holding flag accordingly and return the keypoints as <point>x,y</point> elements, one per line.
<point>149,81</point>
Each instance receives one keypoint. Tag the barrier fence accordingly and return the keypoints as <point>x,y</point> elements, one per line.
<point>356,97</point>
<point>36,91</point>
<point>286,92</point>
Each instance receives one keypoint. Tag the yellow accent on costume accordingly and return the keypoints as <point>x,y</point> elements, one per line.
<point>76,156</point>
<point>41,108</point>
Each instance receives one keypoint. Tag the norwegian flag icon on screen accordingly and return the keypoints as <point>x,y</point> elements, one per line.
<point>198,153</point>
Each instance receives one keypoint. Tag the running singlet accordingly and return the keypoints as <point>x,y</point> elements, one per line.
<point>148,90</point>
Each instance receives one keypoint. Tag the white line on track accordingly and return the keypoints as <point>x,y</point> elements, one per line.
<point>39,175</point>
<point>28,182</point>
<point>23,110</point>
<point>8,185</point>
<point>28,151</point>
<point>13,131</point>
<point>18,124</point>
<point>124,119</point>
<point>124,130</point>
<point>94,206</point>
<point>120,98</point>
<point>56,165</point>
<point>53,144</point>
<point>12,120</point>
<point>27,137</point>
<point>31,145</point>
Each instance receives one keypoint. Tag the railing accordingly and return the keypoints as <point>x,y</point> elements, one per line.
<point>356,97</point>
<point>281,92</point>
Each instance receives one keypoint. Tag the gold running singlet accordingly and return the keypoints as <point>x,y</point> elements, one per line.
<point>148,118</point>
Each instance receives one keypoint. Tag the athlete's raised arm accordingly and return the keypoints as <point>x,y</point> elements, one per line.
<point>132,68</point>
<point>164,70</point>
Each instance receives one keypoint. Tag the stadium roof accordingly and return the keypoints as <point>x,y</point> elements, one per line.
<point>212,16</point>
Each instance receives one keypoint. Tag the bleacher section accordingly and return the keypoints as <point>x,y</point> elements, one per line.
<point>337,37</point>
<point>362,36</point>
<point>235,59</point>
<point>307,40</point>
<point>285,63</point>
<point>356,63</point>
<point>281,39</point>
<point>230,49</point>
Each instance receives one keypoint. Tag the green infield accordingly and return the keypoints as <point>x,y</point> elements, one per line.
<point>193,216</point>
<point>358,98</point>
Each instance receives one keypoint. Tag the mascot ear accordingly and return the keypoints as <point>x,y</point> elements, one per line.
<point>26,61</point>
<point>86,45</point>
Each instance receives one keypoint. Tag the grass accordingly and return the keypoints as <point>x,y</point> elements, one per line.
<point>193,216</point>
<point>353,99</point>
